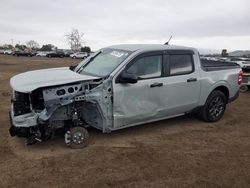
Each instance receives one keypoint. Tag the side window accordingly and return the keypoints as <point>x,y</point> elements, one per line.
<point>180,64</point>
<point>147,67</point>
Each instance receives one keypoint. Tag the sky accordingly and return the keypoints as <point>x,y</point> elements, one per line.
<point>213,24</point>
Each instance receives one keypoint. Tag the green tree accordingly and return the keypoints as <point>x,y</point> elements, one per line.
<point>86,49</point>
<point>20,46</point>
<point>7,46</point>
<point>32,44</point>
<point>48,47</point>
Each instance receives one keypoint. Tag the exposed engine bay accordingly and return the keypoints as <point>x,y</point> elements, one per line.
<point>40,114</point>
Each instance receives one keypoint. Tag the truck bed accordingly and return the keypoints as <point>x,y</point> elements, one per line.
<point>210,65</point>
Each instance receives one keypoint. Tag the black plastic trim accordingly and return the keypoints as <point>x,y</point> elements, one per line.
<point>234,97</point>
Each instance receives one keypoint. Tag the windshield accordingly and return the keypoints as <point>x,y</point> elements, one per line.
<point>103,62</point>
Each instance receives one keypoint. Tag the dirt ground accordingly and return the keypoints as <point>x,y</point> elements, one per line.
<point>180,152</point>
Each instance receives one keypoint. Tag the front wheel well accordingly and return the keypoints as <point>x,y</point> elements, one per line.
<point>224,90</point>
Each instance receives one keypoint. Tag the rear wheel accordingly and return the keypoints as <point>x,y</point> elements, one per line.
<point>214,107</point>
<point>77,137</point>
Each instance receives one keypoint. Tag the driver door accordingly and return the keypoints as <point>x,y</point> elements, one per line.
<point>141,101</point>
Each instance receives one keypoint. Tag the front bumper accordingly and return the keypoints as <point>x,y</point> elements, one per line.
<point>20,125</point>
<point>25,120</point>
<point>19,131</point>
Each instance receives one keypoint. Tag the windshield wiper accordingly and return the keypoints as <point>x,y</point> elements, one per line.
<point>90,59</point>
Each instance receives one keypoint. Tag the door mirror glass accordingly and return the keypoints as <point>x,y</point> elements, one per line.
<point>128,78</point>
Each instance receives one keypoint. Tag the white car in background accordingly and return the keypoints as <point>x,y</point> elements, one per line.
<point>7,52</point>
<point>243,62</point>
<point>79,55</point>
<point>41,54</point>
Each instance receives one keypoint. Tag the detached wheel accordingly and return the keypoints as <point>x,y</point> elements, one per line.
<point>77,137</point>
<point>214,107</point>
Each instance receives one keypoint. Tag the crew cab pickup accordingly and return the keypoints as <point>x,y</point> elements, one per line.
<point>117,87</point>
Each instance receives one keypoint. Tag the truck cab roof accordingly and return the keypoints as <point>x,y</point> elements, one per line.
<point>146,47</point>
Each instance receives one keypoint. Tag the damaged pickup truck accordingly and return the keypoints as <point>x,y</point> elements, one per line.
<point>118,87</point>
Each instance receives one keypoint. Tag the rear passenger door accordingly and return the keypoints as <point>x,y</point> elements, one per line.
<point>182,86</point>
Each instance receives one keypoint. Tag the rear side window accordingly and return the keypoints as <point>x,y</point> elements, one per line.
<point>147,67</point>
<point>180,64</point>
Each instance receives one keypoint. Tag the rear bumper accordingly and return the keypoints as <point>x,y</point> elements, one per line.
<point>234,97</point>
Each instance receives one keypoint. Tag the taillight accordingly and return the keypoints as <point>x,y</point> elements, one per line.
<point>240,77</point>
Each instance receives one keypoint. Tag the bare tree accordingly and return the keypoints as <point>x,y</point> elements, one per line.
<point>74,39</point>
<point>32,44</point>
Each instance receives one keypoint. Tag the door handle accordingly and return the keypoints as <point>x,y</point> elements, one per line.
<point>156,84</point>
<point>192,80</point>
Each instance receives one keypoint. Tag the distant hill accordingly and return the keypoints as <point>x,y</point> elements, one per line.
<point>240,53</point>
<point>204,51</point>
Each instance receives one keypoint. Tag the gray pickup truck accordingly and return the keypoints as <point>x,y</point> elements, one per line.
<point>117,87</point>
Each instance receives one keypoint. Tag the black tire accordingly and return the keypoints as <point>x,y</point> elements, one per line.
<point>243,88</point>
<point>214,107</point>
<point>78,137</point>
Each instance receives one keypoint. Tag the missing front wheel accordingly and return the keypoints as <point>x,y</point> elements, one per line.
<point>77,137</point>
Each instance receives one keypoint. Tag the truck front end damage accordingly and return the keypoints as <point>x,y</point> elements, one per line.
<point>39,114</point>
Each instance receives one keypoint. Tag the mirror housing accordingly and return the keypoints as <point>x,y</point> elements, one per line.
<point>128,78</point>
<point>72,67</point>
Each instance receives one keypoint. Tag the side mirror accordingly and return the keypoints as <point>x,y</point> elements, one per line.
<point>128,78</point>
<point>72,67</point>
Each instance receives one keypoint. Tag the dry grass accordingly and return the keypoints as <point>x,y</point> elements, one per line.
<point>181,152</point>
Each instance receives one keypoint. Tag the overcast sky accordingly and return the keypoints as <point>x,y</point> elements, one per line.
<point>203,24</point>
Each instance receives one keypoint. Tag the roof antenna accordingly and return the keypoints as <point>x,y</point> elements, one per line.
<point>167,43</point>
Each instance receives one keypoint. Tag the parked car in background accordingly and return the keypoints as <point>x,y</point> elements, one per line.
<point>56,54</point>
<point>42,54</point>
<point>1,51</point>
<point>243,62</point>
<point>7,52</point>
<point>67,53</point>
<point>79,55</point>
<point>23,53</point>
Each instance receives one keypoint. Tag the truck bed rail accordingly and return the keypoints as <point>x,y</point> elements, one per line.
<point>210,65</point>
